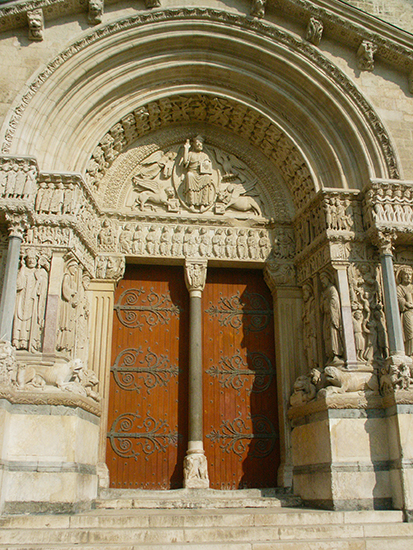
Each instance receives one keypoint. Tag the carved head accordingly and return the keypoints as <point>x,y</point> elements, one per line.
<point>31,258</point>
<point>198,143</point>
<point>36,25</point>
<point>405,276</point>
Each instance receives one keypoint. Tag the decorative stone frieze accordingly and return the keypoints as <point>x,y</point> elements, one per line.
<point>95,13</point>
<point>35,21</point>
<point>314,31</point>
<point>365,55</point>
<point>110,267</point>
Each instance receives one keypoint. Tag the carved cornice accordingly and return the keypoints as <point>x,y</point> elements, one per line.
<point>266,29</point>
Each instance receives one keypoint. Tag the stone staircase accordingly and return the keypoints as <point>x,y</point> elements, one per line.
<point>181,520</point>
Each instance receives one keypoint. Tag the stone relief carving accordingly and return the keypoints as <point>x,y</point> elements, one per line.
<point>204,242</point>
<point>195,275</point>
<point>68,308</point>
<point>258,8</point>
<point>196,179</point>
<point>309,319</point>
<point>107,236</point>
<point>35,21</point>
<point>196,471</point>
<point>95,13</point>
<point>314,31</point>
<point>389,206</point>
<point>365,55</point>
<point>109,267</point>
<point>368,314</point>
<point>331,319</point>
<point>216,111</point>
<point>17,177</point>
<point>71,377</point>
<point>32,286</point>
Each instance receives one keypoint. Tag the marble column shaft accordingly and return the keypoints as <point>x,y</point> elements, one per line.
<point>391,307</point>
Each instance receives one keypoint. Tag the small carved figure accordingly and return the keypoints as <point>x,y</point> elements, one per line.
<point>106,237</point>
<point>331,310</point>
<point>69,200</point>
<point>253,245</point>
<point>314,31</point>
<point>125,238</point>
<point>95,14</point>
<point>195,470</point>
<point>195,275</point>
<point>36,24</point>
<point>264,244</point>
<point>101,262</point>
<point>153,180</point>
<point>191,240</point>
<point>231,243</point>
<point>199,189</point>
<point>56,201</point>
<point>8,364</point>
<point>360,332</point>
<point>304,391</point>
<point>235,197</point>
<point>5,167</point>
<point>115,267</point>
<point>138,242</point>
<point>166,241</point>
<point>405,299</point>
<point>177,241</point>
<point>205,244</point>
<point>365,55</point>
<point>218,243</point>
<point>152,240</point>
<point>258,8</point>
<point>242,244</point>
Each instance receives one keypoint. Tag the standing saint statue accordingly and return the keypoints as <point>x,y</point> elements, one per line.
<point>25,301</point>
<point>405,299</point>
<point>331,310</point>
<point>199,187</point>
<point>68,305</point>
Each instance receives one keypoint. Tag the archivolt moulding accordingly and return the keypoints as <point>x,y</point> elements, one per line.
<point>107,74</point>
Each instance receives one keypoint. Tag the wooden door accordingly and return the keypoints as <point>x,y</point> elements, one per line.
<point>240,405</point>
<point>147,437</point>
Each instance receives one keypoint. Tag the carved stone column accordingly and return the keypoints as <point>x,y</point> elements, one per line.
<point>100,347</point>
<point>195,462</point>
<point>287,303</point>
<point>17,225</point>
<point>391,307</point>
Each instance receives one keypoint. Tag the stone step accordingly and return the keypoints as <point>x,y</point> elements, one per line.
<point>195,499</point>
<point>202,535</point>
<point>199,518</point>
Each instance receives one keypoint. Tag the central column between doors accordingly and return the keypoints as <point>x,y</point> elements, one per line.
<point>195,462</point>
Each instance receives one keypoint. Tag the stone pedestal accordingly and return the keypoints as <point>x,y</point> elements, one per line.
<point>341,456</point>
<point>48,456</point>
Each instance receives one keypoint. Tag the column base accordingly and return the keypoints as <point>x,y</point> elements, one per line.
<point>196,470</point>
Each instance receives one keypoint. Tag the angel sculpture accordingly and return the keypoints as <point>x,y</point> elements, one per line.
<point>153,180</point>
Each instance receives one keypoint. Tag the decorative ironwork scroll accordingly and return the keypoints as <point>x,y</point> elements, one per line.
<point>131,372</point>
<point>234,373</point>
<point>253,312</point>
<point>235,437</point>
<point>134,306</point>
<point>129,437</point>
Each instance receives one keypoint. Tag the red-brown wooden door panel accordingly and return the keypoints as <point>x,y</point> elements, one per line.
<point>240,405</point>
<point>148,401</point>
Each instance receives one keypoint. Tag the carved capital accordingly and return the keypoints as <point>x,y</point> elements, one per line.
<point>195,275</point>
<point>110,267</point>
<point>17,224</point>
<point>196,471</point>
<point>279,274</point>
<point>365,55</point>
<point>35,20</point>
<point>384,240</point>
<point>314,31</point>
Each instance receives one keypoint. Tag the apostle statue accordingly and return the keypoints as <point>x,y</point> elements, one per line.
<point>331,311</point>
<point>405,299</point>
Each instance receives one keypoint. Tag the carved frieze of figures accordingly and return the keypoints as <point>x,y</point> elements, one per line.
<point>195,178</point>
<point>56,198</point>
<point>107,236</point>
<point>32,285</point>
<point>314,31</point>
<point>405,300</point>
<point>331,321</point>
<point>95,14</point>
<point>35,21</point>
<point>204,242</point>
<point>390,205</point>
<point>17,177</point>
<point>365,55</point>
<point>368,314</point>
<point>48,235</point>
